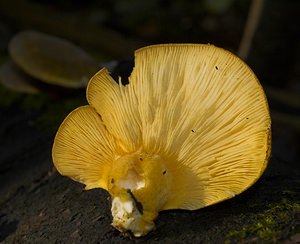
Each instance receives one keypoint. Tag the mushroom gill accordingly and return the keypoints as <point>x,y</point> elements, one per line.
<point>192,128</point>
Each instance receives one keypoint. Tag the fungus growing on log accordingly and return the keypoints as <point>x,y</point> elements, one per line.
<point>52,60</point>
<point>14,79</point>
<point>182,134</point>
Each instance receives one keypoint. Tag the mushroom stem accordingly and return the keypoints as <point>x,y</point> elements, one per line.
<point>139,189</point>
<point>128,217</point>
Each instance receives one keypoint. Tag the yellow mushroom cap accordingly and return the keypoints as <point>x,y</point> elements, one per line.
<point>192,128</point>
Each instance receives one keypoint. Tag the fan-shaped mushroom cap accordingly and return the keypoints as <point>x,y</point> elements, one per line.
<point>192,128</point>
<point>52,59</point>
<point>16,80</point>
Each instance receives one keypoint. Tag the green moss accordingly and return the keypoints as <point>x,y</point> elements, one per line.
<point>57,109</point>
<point>269,225</point>
<point>7,97</point>
<point>25,101</point>
<point>49,110</point>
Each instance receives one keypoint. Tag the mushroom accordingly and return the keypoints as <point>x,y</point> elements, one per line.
<point>52,59</point>
<point>14,79</point>
<point>191,129</point>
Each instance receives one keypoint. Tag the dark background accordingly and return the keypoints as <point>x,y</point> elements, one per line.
<point>39,206</point>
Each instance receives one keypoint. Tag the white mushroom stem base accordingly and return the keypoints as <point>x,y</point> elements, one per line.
<point>126,217</point>
<point>139,186</point>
